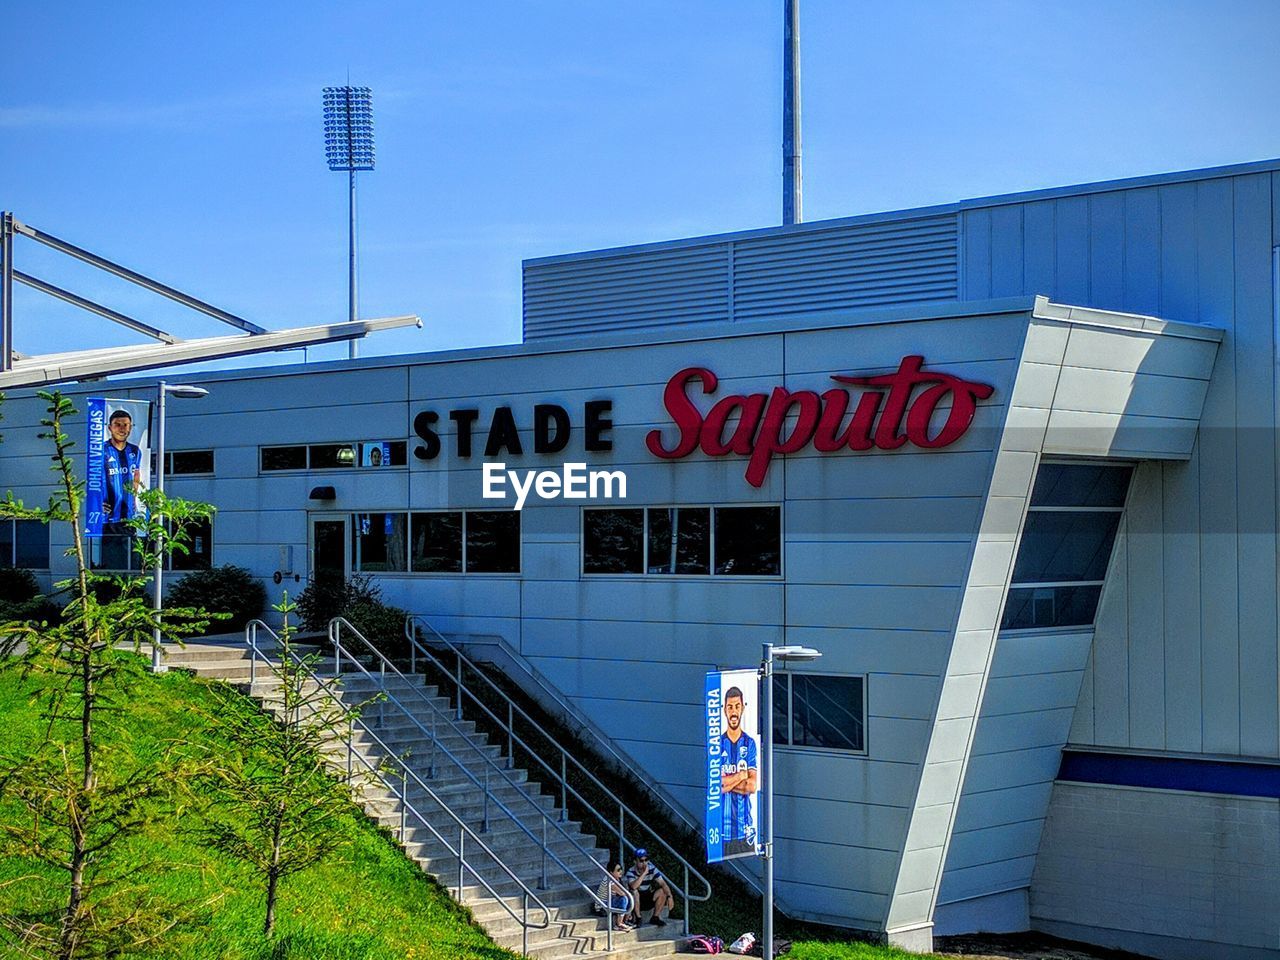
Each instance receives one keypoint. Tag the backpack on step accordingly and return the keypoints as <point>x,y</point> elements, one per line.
<point>702,944</point>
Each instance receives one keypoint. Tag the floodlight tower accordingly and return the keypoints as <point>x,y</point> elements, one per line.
<point>348,146</point>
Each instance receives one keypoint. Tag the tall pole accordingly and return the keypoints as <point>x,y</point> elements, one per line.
<point>766,722</point>
<point>791,180</point>
<point>157,658</point>
<point>6,292</point>
<point>353,350</point>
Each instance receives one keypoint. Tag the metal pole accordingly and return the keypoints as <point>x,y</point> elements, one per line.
<point>766,768</point>
<point>791,180</point>
<point>353,349</point>
<point>157,658</point>
<point>6,292</point>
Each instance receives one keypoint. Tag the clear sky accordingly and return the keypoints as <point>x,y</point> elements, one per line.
<point>184,140</point>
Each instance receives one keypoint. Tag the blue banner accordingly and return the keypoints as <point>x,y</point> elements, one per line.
<point>733,755</point>
<point>118,465</point>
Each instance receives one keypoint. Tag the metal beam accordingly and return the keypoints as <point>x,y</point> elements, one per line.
<point>6,291</point>
<point>75,300</point>
<point>792,187</point>
<point>87,364</point>
<point>155,286</point>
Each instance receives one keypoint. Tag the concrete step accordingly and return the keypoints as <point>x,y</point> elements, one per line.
<point>586,937</point>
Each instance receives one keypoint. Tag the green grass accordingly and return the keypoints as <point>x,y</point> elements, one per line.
<point>370,903</point>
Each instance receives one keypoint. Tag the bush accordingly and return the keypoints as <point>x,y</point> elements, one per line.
<point>226,589</point>
<point>358,599</point>
<point>17,585</point>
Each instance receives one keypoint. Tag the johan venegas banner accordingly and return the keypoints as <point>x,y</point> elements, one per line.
<point>733,748</point>
<point>119,464</point>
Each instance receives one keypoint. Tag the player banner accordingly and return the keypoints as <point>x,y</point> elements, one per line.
<point>118,465</point>
<point>733,779</point>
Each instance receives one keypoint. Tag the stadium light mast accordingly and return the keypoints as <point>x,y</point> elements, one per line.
<point>348,146</point>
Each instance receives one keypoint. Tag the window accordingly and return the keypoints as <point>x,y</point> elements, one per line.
<point>284,458</point>
<point>1066,545</point>
<point>811,710</point>
<point>181,462</point>
<point>452,541</point>
<point>692,541</point>
<point>115,552</point>
<point>493,541</point>
<point>24,543</point>
<point>380,543</point>
<point>436,540</point>
<point>370,454</point>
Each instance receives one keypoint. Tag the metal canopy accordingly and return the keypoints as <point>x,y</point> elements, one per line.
<point>17,370</point>
<point>91,364</point>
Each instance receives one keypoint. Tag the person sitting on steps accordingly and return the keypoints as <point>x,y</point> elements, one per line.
<point>612,892</point>
<point>649,888</point>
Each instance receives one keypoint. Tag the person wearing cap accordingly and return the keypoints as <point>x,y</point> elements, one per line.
<point>649,888</point>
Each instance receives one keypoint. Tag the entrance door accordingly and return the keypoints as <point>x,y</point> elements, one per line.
<point>330,544</point>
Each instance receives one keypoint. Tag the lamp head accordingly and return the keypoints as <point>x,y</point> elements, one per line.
<point>795,653</point>
<point>186,390</point>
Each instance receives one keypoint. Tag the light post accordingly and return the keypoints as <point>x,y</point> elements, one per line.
<point>163,390</point>
<point>348,146</point>
<point>787,654</point>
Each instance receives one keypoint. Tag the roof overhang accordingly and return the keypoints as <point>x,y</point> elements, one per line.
<point>54,368</point>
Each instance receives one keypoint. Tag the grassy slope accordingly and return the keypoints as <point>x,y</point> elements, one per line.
<point>370,904</point>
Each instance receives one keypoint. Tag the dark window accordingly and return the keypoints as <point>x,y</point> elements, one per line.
<point>437,542</point>
<point>380,542</point>
<point>493,541</point>
<point>748,541</point>
<point>1080,485</point>
<point>811,710</point>
<point>199,555</point>
<point>24,543</point>
<point>329,456</point>
<point>114,551</point>
<point>1066,545</point>
<point>679,540</point>
<point>190,461</point>
<point>613,541</point>
<point>1029,607</point>
<point>284,458</point>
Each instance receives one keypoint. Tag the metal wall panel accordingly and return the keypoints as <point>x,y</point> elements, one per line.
<point>810,269</point>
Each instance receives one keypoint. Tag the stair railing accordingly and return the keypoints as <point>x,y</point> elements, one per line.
<point>401,793</point>
<point>624,813</point>
<point>384,667</point>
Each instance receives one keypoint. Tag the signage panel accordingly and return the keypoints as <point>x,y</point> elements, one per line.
<point>118,464</point>
<point>733,779</point>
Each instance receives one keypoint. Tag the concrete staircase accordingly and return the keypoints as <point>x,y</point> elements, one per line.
<point>573,930</point>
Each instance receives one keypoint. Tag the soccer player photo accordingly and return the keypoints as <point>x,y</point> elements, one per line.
<point>733,739</point>
<point>119,465</point>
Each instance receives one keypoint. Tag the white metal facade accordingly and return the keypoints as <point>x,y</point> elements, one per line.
<point>895,564</point>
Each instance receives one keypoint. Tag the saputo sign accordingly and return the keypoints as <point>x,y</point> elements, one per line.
<point>893,409</point>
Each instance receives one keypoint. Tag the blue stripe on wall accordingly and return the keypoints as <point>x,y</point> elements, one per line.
<point>1172,773</point>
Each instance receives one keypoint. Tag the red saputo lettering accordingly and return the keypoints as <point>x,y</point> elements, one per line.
<point>894,409</point>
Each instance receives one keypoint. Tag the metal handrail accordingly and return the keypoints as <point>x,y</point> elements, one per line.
<point>464,830</point>
<point>336,625</point>
<point>416,647</point>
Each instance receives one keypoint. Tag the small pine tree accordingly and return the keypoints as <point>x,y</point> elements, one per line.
<point>78,796</point>
<point>279,808</point>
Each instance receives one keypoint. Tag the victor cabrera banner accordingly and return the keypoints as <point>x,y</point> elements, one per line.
<point>733,764</point>
<point>119,464</point>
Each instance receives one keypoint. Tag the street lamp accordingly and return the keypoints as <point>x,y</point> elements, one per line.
<point>164,390</point>
<point>787,654</point>
<point>348,145</point>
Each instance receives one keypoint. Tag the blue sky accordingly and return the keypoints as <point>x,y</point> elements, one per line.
<point>184,140</point>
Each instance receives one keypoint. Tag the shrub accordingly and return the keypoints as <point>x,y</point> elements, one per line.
<point>226,589</point>
<point>21,600</point>
<point>358,599</point>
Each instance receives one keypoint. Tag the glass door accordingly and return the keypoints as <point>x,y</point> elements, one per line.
<point>330,544</point>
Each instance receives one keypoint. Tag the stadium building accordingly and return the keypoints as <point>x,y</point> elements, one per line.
<point>1010,464</point>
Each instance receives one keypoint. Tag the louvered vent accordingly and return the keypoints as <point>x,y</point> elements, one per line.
<point>768,275</point>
